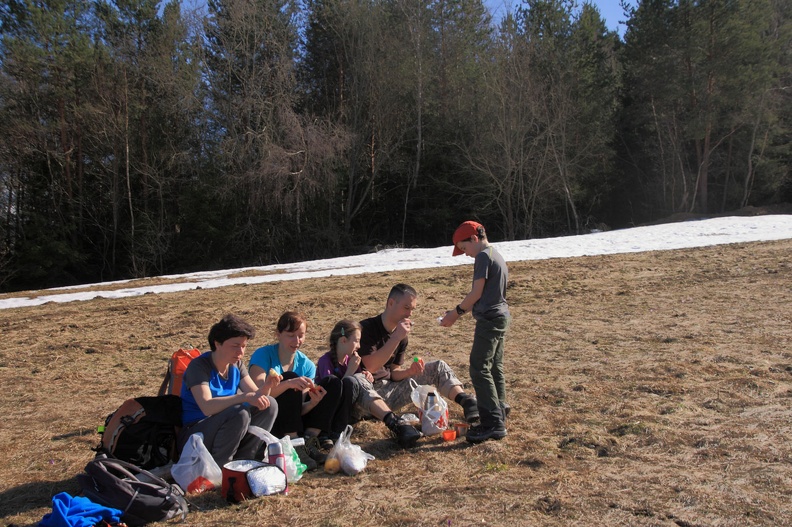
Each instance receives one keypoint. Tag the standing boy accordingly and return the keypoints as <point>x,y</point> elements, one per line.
<point>487,300</point>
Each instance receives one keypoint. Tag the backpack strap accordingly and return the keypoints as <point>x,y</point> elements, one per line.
<point>165,381</point>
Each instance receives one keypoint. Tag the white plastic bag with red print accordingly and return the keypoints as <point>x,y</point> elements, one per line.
<point>433,420</point>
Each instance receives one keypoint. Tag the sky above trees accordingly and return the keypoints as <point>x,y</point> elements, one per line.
<point>610,10</point>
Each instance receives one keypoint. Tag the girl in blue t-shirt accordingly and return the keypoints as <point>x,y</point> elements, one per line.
<point>305,408</point>
<point>221,401</point>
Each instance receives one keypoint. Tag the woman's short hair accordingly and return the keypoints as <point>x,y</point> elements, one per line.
<point>230,326</point>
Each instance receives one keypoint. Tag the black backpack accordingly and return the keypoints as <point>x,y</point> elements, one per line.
<point>140,495</point>
<point>143,431</point>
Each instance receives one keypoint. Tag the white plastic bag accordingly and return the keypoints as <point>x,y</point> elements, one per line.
<point>262,434</point>
<point>433,420</point>
<point>351,457</point>
<point>196,470</point>
<point>419,393</point>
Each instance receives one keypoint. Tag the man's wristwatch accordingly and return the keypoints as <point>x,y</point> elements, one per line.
<point>459,310</point>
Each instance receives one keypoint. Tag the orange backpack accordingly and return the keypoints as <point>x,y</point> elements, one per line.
<point>177,364</point>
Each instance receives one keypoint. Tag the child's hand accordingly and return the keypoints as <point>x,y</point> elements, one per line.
<point>300,384</point>
<point>449,318</point>
<point>316,393</point>
<point>354,360</point>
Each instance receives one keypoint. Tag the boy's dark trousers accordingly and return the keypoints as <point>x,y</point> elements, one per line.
<point>486,369</point>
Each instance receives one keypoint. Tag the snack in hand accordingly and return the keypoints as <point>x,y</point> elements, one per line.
<point>273,373</point>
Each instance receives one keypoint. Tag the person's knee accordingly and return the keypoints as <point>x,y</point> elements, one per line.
<point>240,417</point>
<point>442,365</point>
<point>351,385</point>
<point>290,399</point>
<point>435,367</point>
<point>479,373</point>
<point>480,361</point>
<point>265,418</point>
<point>332,384</point>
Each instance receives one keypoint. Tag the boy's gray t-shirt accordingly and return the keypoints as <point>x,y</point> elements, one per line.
<point>491,266</point>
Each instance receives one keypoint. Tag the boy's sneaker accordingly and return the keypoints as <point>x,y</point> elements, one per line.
<point>314,449</point>
<point>470,407</point>
<point>406,434</point>
<point>480,433</point>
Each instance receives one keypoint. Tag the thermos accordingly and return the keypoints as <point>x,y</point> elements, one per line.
<point>431,401</point>
<point>276,455</point>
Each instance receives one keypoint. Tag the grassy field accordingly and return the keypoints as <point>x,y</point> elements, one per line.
<point>650,389</point>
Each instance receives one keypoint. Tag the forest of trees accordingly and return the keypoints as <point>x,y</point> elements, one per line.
<point>142,138</point>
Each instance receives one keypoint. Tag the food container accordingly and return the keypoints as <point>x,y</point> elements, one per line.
<point>461,429</point>
<point>247,478</point>
<point>449,435</point>
<point>235,486</point>
<point>411,419</point>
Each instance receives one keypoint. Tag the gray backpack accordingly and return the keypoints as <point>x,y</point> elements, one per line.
<point>140,495</point>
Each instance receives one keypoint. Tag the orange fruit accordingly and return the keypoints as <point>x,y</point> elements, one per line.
<point>332,465</point>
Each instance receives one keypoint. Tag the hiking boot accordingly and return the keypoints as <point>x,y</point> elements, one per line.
<point>314,449</point>
<point>480,433</point>
<point>305,458</point>
<point>470,407</point>
<point>406,435</point>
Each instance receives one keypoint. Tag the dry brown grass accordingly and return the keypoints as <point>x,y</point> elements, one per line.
<point>648,389</point>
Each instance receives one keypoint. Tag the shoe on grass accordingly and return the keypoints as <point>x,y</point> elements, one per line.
<point>314,449</point>
<point>481,433</point>
<point>305,459</point>
<point>406,434</point>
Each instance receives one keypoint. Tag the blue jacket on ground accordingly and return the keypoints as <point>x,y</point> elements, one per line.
<point>77,511</point>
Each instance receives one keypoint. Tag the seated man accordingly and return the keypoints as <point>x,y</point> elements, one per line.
<point>383,344</point>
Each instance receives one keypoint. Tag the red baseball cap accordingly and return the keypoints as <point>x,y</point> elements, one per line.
<point>464,232</point>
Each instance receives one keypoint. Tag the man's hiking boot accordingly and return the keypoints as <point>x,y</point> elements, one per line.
<point>480,433</point>
<point>470,407</point>
<point>406,435</point>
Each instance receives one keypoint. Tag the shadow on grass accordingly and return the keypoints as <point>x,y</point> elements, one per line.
<point>29,496</point>
<point>387,448</point>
